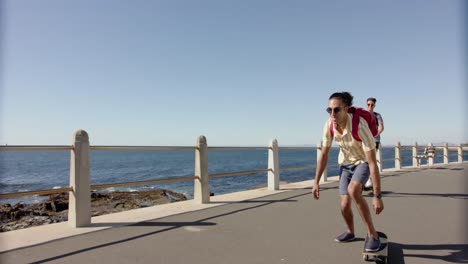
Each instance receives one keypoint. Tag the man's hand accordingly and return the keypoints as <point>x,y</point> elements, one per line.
<point>378,205</point>
<point>316,191</point>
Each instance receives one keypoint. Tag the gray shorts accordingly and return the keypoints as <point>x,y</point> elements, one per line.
<point>348,173</point>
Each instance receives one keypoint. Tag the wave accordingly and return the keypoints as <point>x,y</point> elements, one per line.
<point>14,184</point>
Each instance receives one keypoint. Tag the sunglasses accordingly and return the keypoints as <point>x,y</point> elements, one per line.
<point>370,104</point>
<point>336,110</point>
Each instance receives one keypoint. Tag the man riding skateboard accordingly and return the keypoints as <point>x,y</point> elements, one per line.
<point>357,159</point>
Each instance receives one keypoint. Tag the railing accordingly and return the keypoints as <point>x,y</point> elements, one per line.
<point>430,160</point>
<point>79,213</point>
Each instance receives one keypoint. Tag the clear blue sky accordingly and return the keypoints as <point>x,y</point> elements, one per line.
<point>240,72</point>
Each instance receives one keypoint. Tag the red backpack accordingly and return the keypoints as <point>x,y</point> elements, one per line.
<point>360,112</point>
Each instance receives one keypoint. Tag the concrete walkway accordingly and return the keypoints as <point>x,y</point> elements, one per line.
<point>425,218</point>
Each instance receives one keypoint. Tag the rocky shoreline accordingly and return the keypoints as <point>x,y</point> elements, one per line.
<point>55,208</point>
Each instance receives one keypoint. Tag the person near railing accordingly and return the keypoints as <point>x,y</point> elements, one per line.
<point>357,161</point>
<point>371,102</point>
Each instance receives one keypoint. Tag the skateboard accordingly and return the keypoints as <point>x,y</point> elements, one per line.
<point>380,256</point>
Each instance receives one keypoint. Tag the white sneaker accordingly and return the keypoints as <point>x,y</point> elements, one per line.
<point>368,184</point>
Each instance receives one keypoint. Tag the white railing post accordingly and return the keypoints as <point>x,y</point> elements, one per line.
<point>446,154</point>
<point>325,171</point>
<point>79,205</point>
<point>415,153</point>
<point>430,159</point>
<point>273,166</point>
<point>201,192</point>
<point>398,156</point>
<point>379,158</point>
<point>460,153</point>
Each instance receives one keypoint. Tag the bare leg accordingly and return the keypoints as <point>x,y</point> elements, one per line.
<point>355,192</point>
<point>347,212</point>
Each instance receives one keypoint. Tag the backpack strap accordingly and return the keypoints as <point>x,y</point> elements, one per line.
<point>376,119</point>
<point>354,129</point>
<point>355,126</point>
<point>332,130</point>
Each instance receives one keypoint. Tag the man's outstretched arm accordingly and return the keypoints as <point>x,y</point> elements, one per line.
<point>321,166</point>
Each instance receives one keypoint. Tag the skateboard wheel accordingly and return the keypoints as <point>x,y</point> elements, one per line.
<point>381,259</point>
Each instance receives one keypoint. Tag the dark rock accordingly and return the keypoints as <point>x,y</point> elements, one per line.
<point>55,208</point>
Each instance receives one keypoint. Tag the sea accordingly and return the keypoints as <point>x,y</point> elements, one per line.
<point>50,169</point>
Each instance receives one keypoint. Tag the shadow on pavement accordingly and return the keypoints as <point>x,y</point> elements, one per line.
<point>446,195</point>
<point>458,253</point>
<point>170,225</point>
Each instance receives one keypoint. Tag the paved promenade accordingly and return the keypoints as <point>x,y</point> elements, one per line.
<point>425,217</point>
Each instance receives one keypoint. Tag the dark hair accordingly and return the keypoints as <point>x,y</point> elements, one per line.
<point>346,97</point>
<point>372,99</point>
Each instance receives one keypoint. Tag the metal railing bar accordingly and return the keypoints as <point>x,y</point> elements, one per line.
<point>218,175</point>
<point>298,148</point>
<point>36,147</point>
<point>142,148</point>
<point>238,148</point>
<point>298,168</point>
<point>39,192</point>
<point>453,148</point>
<point>124,184</point>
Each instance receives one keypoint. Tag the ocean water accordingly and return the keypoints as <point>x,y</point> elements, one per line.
<point>39,170</point>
